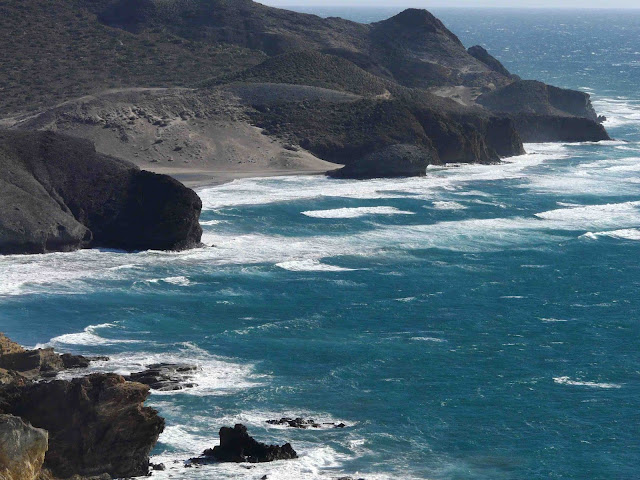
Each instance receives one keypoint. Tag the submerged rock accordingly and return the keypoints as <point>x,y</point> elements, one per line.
<point>97,425</point>
<point>22,449</point>
<point>236,445</point>
<point>166,376</point>
<point>302,423</point>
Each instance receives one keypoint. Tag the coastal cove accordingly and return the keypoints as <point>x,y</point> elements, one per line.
<point>476,323</point>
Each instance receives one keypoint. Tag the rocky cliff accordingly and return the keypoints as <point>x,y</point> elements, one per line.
<point>58,194</point>
<point>543,113</point>
<point>91,426</point>
<point>96,424</point>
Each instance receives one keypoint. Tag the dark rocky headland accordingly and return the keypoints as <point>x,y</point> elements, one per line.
<point>58,194</point>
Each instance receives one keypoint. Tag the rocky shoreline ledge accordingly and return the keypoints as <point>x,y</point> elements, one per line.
<point>96,427</point>
<point>90,427</point>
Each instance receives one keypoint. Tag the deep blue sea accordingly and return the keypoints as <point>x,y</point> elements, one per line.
<point>480,323</point>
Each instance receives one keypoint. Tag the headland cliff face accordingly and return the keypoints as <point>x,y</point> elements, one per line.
<point>58,194</point>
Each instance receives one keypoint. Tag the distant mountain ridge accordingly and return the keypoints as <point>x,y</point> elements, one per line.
<point>413,48</point>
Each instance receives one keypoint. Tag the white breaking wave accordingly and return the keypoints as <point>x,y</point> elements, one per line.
<point>262,191</point>
<point>214,375</point>
<point>619,111</point>
<point>580,383</point>
<point>180,281</point>
<point>609,177</point>
<point>355,212</point>
<point>310,265</point>
<point>316,461</point>
<point>67,273</point>
<point>443,205</point>
<point>428,339</point>
<point>88,337</point>
<point>597,216</point>
<point>624,234</point>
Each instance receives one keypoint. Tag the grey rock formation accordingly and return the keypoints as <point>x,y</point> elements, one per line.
<point>392,161</point>
<point>166,377</point>
<point>334,90</point>
<point>58,194</point>
<point>530,96</point>
<point>480,53</point>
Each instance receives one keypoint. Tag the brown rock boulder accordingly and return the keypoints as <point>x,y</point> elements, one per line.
<point>8,346</point>
<point>22,449</point>
<point>97,424</point>
<point>33,362</point>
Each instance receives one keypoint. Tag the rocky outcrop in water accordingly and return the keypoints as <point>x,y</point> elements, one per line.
<point>237,446</point>
<point>97,425</point>
<point>304,423</point>
<point>22,449</point>
<point>166,377</point>
<point>58,194</point>
<point>543,113</point>
<point>31,364</point>
<point>530,96</point>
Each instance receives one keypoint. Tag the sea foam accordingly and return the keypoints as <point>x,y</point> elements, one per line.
<point>580,383</point>
<point>355,212</point>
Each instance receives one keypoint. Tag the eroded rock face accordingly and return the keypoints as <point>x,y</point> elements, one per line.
<point>97,425</point>
<point>530,96</point>
<point>480,53</point>
<point>58,194</point>
<point>236,445</point>
<point>8,346</point>
<point>22,449</point>
<point>41,362</point>
<point>392,161</point>
<point>549,128</point>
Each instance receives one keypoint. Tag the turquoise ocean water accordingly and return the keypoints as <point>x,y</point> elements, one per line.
<point>480,323</point>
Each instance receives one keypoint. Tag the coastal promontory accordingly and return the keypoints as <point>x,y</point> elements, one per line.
<point>58,194</point>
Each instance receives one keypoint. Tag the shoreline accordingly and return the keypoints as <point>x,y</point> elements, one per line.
<point>207,178</point>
